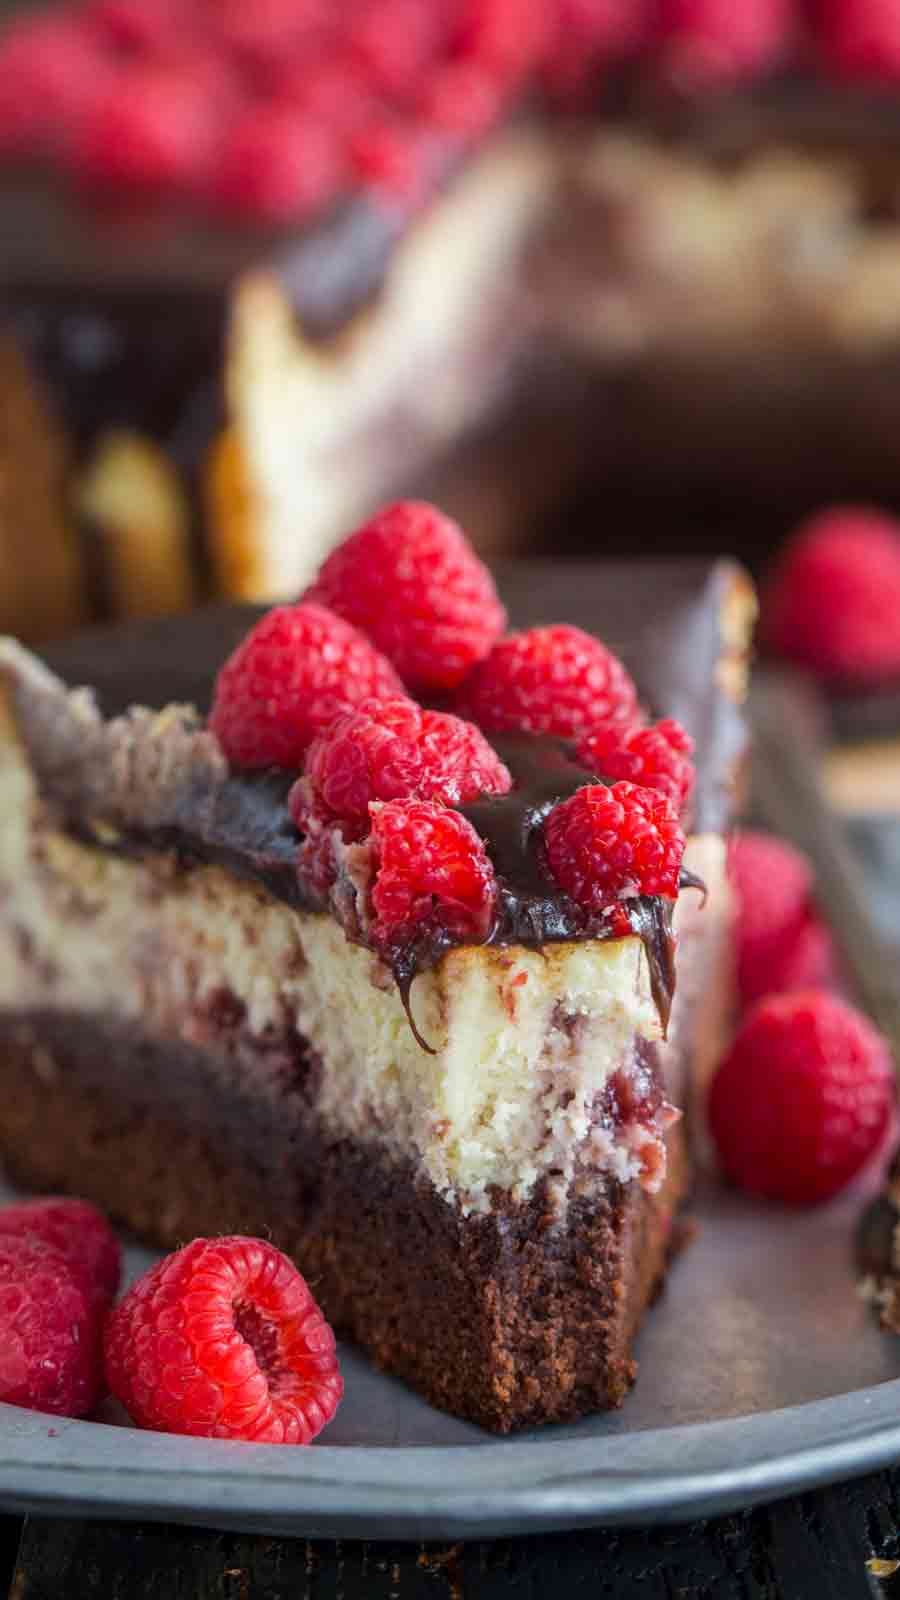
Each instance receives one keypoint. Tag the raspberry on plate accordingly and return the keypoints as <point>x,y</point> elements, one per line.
<point>553,679</point>
<point>607,844</point>
<point>224,1340</point>
<point>773,886</point>
<point>297,670</point>
<point>51,70</point>
<point>76,1230</point>
<point>430,868</point>
<point>394,750</point>
<point>50,1352</point>
<point>803,1098</point>
<point>658,757</point>
<point>833,602</point>
<point>410,580</point>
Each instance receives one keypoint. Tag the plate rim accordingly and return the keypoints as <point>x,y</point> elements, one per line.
<point>53,1466</point>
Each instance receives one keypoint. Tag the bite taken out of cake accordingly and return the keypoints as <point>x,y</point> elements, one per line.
<point>389,981</point>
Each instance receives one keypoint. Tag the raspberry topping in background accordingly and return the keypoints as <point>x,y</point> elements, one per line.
<point>803,1098</point>
<point>394,750</point>
<point>553,679</point>
<point>411,582</point>
<point>606,844</point>
<point>297,670</point>
<point>51,70</point>
<point>77,1231</point>
<point>833,602</point>
<point>224,1340</point>
<point>703,42</point>
<point>277,163</point>
<point>50,1354</point>
<point>152,128</point>
<point>658,757</point>
<point>431,868</point>
<point>860,38</point>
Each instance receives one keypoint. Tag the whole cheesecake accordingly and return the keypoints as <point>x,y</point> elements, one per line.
<point>472,1148</point>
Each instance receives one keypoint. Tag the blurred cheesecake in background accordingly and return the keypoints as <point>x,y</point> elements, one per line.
<point>263,266</point>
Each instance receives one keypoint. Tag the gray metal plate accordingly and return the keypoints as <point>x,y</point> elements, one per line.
<point>761,1373</point>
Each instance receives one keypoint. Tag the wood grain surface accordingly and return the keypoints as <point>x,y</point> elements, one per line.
<point>826,1546</point>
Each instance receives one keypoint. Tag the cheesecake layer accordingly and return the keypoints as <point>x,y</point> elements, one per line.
<point>525,1046</point>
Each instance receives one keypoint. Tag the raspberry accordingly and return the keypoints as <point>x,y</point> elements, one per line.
<point>549,680</point>
<point>331,92</point>
<point>432,870</point>
<point>390,155</point>
<point>297,670</point>
<point>77,1231</point>
<point>50,72</point>
<point>393,41</point>
<point>611,844</point>
<point>509,37</point>
<point>410,580</point>
<point>262,35</point>
<point>773,885</point>
<point>809,961</point>
<point>138,27</point>
<point>461,98</point>
<point>860,38</point>
<point>702,42</point>
<point>153,128</point>
<point>224,1340</point>
<point>802,1099</point>
<point>278,165</point>
<point>833,603</point>
<point>49,1331</point>
<point>656,758</point>
<point>393,750</point>
<point>588,35</point>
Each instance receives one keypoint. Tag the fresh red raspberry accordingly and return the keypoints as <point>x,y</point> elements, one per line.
<point>432,870</point>
<point>393,750</point>
<point>656,758</point>
<point>773,887</point>
<point>461,98</point>
<point>51,70</point>
<point>860,38</point>
<point>277,165</point>
<point>703,42</point>
<point>610,844</point>
<point>224,1340</point>
<point>809,961</point>
<point>263,34</point>
<point>393,41</point>
<point>331,92</point>
<point>138,27</point>
<point>833,603</point>
<point>510,37</point>
<point>154,128</point>
<point>410,580</point>
<point>554,679</point>
<point>390,155</point>
<point>297,670</point>
<point>77,1231</point>
<point>803,1098</point>
<point>50,1330</point>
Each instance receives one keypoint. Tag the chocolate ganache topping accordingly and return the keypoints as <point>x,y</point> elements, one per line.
<point>245,825</point>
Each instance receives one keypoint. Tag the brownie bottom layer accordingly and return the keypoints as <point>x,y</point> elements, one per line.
<point>508,1318</point>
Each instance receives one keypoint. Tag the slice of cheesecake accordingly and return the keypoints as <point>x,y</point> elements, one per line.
<point>480,1176</point>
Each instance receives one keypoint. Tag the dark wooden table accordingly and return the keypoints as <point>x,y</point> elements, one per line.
<point>837,1544</point>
